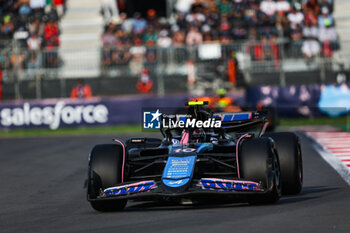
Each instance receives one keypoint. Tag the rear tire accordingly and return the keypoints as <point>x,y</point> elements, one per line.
<point>258,162</point>
<point>105,170</point>
<point>290,156</point>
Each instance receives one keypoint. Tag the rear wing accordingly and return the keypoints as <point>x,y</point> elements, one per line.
<point>233,117</point>
<point>238,117</point>
<point>229,118</point>
<point>242,121</point>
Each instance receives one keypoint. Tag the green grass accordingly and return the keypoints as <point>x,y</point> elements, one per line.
<point>341,123</point>
<point>314,121</point>
<point>338,122</point>
<point>72,131</point>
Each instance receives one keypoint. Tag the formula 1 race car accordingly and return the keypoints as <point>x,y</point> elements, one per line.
<point>207,160</point>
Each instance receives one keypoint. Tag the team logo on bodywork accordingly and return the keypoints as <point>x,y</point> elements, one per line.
<point>228,185</point>
<point>143,186</point>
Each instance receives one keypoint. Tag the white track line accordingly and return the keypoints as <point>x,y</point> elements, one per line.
<point>338,165</point>
<point>342,167</point>
<point>346,162</point>
<point>334,141</point>
<point>339,150</point>
<point>340,154</point>
<point>342,158</point>
<point>338,145</point>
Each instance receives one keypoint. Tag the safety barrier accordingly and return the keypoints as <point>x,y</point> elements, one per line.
<point>238,62</point>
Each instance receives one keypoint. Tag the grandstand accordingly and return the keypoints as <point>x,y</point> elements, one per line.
<point>111,42</point>
<point>30,33</point>
<point>81,31</point>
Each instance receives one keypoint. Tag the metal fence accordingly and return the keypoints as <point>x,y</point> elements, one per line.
<point>210,60</point>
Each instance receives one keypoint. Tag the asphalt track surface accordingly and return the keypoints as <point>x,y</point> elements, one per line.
<point>41,183</point>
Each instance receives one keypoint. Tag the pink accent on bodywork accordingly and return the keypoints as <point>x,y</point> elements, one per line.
<point>123,165</point>
<point>129,185</point>
<point>184,138</point>
<point>237,145</point>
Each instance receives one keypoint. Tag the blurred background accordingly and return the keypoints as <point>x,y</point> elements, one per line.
<point>81,63</point>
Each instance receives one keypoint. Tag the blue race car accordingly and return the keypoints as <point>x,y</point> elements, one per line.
<point>200,163</point>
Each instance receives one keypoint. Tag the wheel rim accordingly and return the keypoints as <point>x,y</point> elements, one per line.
<point>277,173</point>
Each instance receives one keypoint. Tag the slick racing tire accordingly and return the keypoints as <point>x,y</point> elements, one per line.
<point>105,170</point>
<point>290,157</point>
<point>258,162</point>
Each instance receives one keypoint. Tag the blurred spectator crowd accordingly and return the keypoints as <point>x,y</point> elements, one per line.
<point>29,33</point>
<point>306,26</point>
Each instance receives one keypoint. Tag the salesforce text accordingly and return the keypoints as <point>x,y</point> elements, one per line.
<point>52,116</point>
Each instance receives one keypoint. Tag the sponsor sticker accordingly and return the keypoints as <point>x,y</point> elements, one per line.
<point>142,186</point>
<point>178,171</point>
<point>53,116</point>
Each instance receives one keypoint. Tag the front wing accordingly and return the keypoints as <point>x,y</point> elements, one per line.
<point>204,186</point>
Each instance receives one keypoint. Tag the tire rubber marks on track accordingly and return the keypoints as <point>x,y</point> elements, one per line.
<point>335,149</point>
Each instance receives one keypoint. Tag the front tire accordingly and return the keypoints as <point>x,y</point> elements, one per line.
<point>105,170</point>
<point>290,156</point>
<point>258,162</point>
